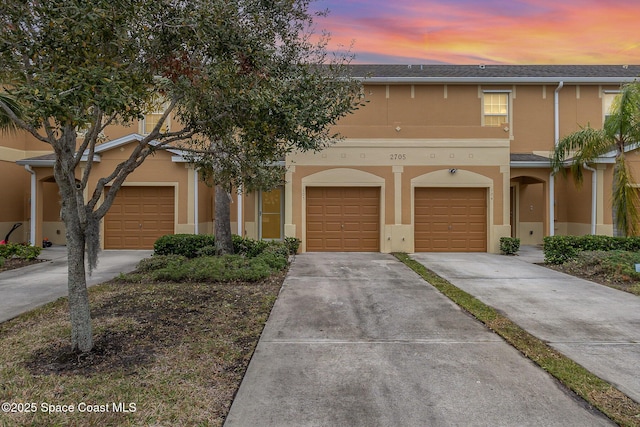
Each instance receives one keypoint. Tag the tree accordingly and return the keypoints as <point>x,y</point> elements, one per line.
<point>234,72</point>
<point>620,131</point>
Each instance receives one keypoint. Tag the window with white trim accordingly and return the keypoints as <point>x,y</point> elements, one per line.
<point>495,109</point>
<point>151,120</point>
<point>607,102</point>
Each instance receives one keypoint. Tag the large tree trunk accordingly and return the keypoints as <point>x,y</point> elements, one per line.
<point>222,225</point>
<point>75,219</point>
<point>81,330</point>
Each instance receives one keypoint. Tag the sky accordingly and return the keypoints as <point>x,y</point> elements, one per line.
<point>517,32</point>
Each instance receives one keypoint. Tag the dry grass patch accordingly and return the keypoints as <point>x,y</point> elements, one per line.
<point>168,353</point>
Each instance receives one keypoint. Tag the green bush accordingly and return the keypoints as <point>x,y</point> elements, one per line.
<point>207,251</point>
<point>560,249</point>
<point>182,244</point>
<point>292,243</point>
<point>18,250</point>
<point>274,259</point>
<point>157,262</point>
<point>509,245</point>
<point>226,268</point>
<point>248,247</point>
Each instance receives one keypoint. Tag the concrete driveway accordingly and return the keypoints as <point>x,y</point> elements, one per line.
<point>30,287</point>
<point>360,340</point>
<point>596,326</point>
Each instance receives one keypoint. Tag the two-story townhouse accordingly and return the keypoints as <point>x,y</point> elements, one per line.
<point>440,158</point>
<point>451,158</point>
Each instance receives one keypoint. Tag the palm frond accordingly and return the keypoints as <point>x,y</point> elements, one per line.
<point>580,147</point>
<point>625,199</point>
<point>6,123</point>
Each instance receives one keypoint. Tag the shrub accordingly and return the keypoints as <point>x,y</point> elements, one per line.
<point>207,251</point>
<point>509,245</point>
<point>248,247</point>
<point>182,244</point>
<point>292,243</point>
<point>157,262</point>
<point>226,268</point>
<point>560,249</point>
<point>18,250</point>
<point>276,260</point>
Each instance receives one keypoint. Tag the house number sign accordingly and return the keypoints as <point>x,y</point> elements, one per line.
<point>398,156</point>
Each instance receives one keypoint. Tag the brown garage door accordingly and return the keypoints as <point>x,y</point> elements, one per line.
<point>343,219</point>
<point>450,220</point>
<point>138,216</point>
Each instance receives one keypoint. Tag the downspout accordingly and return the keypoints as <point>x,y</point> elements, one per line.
<point>32,222</point>
<point>196,218</point>
<point>556,137</point>
<point>594,195</point>
<point>240,211</point>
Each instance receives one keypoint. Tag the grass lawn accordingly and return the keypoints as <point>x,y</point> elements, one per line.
<point>171,347</point>
<point>170,354</point>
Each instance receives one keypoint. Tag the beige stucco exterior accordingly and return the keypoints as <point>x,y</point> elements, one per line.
<point>407,135</point>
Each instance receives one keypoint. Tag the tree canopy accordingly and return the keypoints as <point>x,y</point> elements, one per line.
<point>248,80</point>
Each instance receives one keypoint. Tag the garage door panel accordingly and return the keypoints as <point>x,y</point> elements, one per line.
<point>138,217</point>
<point>450,220</point>
<point>350,219</point>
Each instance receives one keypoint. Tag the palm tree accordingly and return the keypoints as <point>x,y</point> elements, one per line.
<point>6,123</point>
<point>621,130</point>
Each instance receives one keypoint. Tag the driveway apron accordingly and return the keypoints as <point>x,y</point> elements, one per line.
<point>358,339</point>
<point>594,325</point>
<point>26,288</point>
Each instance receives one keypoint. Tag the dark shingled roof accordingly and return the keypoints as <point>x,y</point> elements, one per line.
<point>497,71</point>
<point>527,157</point>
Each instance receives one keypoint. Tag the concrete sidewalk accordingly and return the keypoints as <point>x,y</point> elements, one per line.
<point>30,287</point>
<point>360,340</point>
<point>596,326</point>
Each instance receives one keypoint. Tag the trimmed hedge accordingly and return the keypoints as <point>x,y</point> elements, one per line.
<point>560,249</point>
<point>186,245</point>
<point>197,245</point>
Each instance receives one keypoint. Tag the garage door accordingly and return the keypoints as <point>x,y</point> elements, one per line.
<point>138,216</point>
<point>343,219</point>
<point>450,220</point>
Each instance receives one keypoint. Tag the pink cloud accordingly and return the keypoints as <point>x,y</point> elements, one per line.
<point>550,32</point>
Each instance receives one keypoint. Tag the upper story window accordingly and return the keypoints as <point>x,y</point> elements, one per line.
<point>151,120</point>
<point>607,102</point>
<point>495,108</point>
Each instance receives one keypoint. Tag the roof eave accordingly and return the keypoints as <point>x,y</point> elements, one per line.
<point>495,80</point>
<point>530,164</point>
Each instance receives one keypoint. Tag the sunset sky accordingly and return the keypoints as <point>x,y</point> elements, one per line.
<point>488,31</point>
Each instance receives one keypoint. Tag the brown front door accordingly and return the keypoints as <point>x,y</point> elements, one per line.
<point>343,219</point>
<point>138,216</point>
<point>450,220</point>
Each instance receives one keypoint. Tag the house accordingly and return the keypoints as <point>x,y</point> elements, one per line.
<point>440,158</point>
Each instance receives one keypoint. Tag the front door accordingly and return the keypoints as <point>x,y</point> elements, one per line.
<point>271,220</point>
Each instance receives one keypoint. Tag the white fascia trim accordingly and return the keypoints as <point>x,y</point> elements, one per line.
<point>124,140</point>
<point>36,163</point>
<point>540,165</point>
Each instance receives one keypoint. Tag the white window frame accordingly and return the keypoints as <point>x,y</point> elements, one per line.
<point>508,112</point>
<point>166,127</point>
<point>607,100</point>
